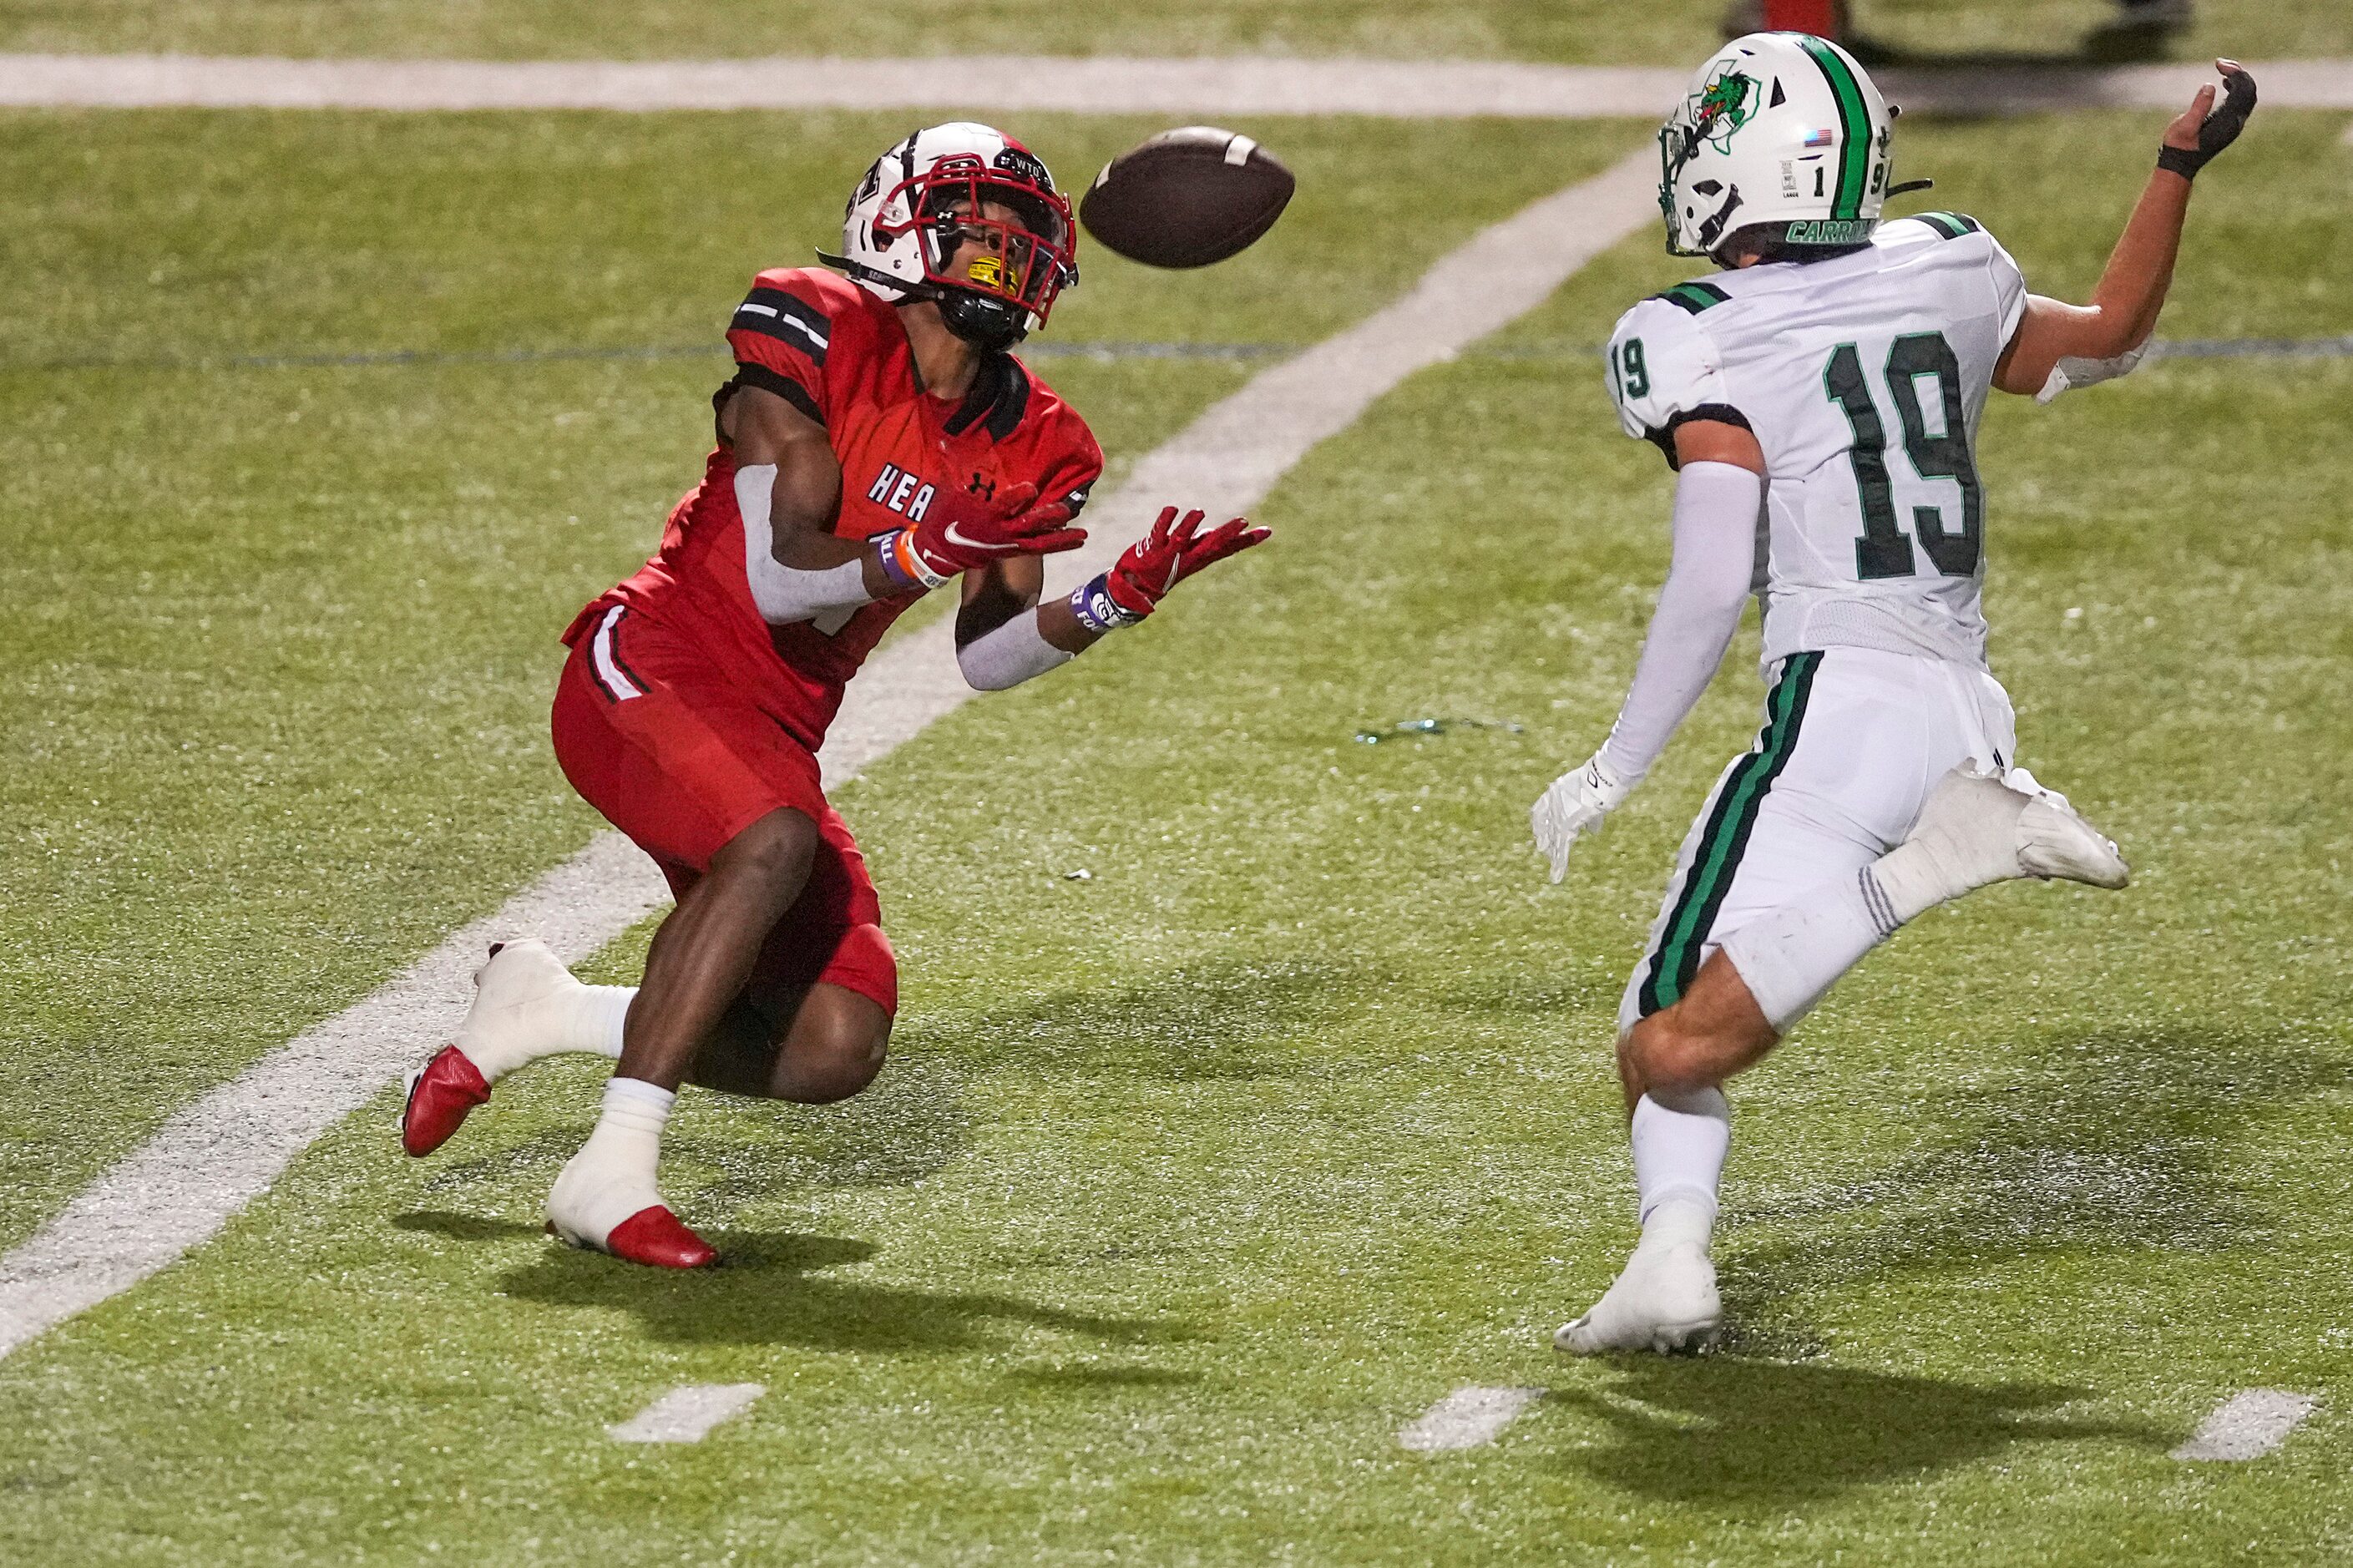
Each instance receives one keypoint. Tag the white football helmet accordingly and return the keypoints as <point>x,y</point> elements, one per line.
<point>921,200</point>
<point>1778,128</point>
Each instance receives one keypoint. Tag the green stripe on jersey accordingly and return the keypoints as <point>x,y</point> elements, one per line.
<point>1854,127</point>
<point>1952,225</point>
<point>1693,297</point>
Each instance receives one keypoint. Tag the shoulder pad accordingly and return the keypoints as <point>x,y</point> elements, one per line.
<point>793,306</point>
<point>1663,365</point>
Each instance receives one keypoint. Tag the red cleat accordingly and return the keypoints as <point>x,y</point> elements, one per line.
<point>439,1098</point>
<point>653,1237</point>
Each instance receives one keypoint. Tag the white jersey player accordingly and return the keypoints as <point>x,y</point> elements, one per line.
<point>1819,399</point>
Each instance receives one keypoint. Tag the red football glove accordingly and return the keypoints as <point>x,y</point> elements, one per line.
<point>961,531</point>
<point>1173,549</point>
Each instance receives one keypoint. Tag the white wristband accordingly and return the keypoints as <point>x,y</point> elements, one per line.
<point>2071,372</point>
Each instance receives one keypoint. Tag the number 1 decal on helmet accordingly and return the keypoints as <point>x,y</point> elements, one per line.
<point>1777,128</point>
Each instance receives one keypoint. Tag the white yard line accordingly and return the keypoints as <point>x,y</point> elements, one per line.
<point>1467,1419</point>
<point>686,1415</point>
<point>1241,85</point>
<point>213,1157</point>
<point>2248,1425</point>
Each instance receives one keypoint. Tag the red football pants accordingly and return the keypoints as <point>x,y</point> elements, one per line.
<point>678,759</point>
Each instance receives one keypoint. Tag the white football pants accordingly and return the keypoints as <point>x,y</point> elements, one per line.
<point>1854,741</point>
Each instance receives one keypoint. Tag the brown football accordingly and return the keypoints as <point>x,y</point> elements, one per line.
<point>1187,198</point>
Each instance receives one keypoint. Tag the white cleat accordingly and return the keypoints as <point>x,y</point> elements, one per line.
<point>1996,827</point>
<point>2054,839</point>
<point>1665,1301</point>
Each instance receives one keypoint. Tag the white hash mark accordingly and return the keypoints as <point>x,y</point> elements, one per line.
<point>2248,1425</point>
<point>685,1414</point>
<point>1467,1419</point>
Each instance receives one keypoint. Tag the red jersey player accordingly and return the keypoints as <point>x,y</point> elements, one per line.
<point>877,439</point>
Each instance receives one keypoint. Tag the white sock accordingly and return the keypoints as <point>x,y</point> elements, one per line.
<point>1680,1142</point>
<point>596,1018</point>
<point>612,1177</point>
<point>572,1018</point>
<point>1935,866</point>
<point>1967,838</point>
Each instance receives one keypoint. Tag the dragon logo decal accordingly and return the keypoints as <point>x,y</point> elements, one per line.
<point>1723,105</point>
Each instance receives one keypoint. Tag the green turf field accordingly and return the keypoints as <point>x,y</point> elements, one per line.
<point>1190,1183</point>
<point>1585,31</point>
<point>292,628</point>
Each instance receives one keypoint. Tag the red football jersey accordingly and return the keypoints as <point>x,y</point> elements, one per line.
<point>840,355</point>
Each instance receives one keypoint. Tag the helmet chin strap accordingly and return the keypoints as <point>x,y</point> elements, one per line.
<point>993,326</point>
<point>866,274</point>
<point>986,323</point>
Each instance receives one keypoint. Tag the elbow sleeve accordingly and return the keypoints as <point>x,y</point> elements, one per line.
<point>1699,609</point>
<point>1008,655</point>
<point>783,593</point>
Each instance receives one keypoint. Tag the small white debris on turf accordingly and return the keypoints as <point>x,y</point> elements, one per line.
<point>685,1414</point>
<point>2248,1425</point>
<point>1467,1419</point>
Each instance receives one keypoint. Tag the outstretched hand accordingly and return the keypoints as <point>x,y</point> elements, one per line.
<point>960,532</point>
<point>1174,549</point>
<point>2203,130</point>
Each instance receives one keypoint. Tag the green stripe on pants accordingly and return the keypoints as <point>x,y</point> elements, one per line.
<point>1726,837</point>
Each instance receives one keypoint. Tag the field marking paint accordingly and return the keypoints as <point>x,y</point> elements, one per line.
<point>1467,1419</point>
<point>2248,1425</point>
<point>1240,85</point>
<point>212,1158</point>
<point>686,1415</point>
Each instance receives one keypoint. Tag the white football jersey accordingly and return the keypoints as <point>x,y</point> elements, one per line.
<point>1862,378</point>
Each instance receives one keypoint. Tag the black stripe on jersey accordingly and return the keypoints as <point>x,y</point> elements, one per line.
<point>773,313</point>
<point>1693,297</point>
<point>766,380</point>
<point>1952,225</point>
<point>1663,438</point>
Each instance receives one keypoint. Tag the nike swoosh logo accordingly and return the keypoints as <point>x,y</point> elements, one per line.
<point>955,536</point>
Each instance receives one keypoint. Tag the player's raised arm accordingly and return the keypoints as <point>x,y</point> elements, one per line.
<point>1004,637</point>
<point>2057,345</point>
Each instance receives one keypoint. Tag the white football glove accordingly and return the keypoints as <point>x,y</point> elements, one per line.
<point>1576,804</point>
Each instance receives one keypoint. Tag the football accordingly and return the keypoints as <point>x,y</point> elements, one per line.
<point>1187,197</point>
